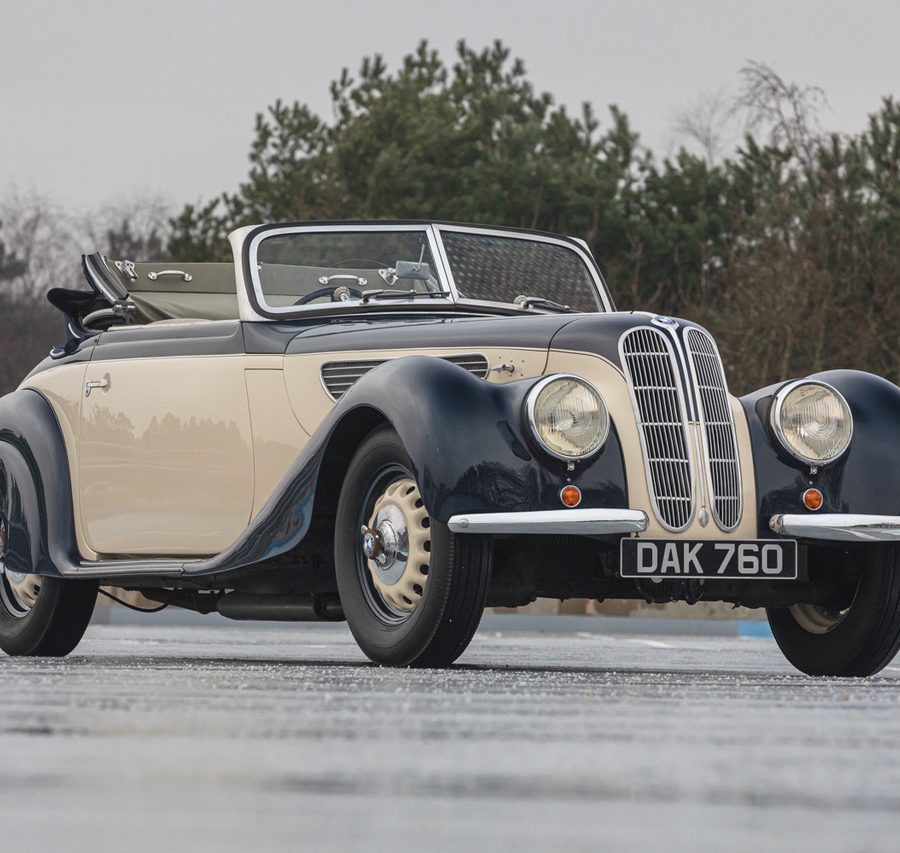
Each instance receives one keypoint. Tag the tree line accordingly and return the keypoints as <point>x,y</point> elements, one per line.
<point>785,247</point>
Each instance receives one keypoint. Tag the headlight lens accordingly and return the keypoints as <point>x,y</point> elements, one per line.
<point>568,417</point>
<point>812,421</point>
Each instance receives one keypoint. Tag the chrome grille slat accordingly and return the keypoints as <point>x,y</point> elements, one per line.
<point>339,377</point>
<point>658,396</point>
<point>717,424</point>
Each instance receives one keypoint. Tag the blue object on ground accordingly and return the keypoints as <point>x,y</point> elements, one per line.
<point>746,628</point>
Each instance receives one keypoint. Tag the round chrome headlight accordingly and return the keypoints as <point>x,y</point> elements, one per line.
<point>812,421</point>
<point>568,417</point>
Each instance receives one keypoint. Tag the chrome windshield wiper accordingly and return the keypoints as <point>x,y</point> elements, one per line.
<point>524,301</point>
<point>399,294</point>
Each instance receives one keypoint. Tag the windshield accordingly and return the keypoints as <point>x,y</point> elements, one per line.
<point>505,269</point>
<point>305,268</point>
<point>295,267</point>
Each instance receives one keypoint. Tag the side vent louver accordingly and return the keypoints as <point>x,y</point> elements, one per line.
<point>340,376</point>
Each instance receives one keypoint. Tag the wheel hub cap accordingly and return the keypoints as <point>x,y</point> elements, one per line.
<point>373,545</point>
<point>395,545</point>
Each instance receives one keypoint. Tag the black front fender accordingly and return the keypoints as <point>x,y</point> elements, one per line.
<point>866,479</point>
<point>469,444</point>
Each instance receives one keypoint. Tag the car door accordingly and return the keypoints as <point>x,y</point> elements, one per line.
<point>165,449</point>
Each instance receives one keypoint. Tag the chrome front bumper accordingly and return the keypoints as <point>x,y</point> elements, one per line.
<point>578,522</point>
<point>841,527</point>
<point>838,526</point>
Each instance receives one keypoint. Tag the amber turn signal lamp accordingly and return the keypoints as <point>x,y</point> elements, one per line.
<point>812,499</point>
<point>570,496</point>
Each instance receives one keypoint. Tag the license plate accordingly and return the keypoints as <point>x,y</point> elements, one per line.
<point>760,559</point>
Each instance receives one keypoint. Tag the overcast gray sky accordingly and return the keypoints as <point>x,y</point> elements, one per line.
<point>103,100</point>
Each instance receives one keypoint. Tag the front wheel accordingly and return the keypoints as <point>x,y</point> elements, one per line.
<point>412,591</point>
<point>42,617</point>
<point>859,634</point>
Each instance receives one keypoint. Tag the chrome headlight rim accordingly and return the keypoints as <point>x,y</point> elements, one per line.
<point>775,422</point>
<point>531,401</point>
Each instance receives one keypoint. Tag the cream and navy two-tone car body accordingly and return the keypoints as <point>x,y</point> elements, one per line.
<point>401,423</point>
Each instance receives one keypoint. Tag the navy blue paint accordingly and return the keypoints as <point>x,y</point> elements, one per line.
<point>865,480</point>
<point>380,332</point>
<point>470,449</point>
<point>35,489</point>
<point>224,337</point>
<point>75,350</point>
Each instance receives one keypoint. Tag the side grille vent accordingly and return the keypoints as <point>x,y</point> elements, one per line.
<point>652,374</point>
<point>340,376</point>
<point>724,471</point>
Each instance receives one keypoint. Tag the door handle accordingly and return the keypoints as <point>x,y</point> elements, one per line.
<point>91,384</point>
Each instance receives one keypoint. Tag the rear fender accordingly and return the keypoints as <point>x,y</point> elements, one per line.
<point>35,488</point>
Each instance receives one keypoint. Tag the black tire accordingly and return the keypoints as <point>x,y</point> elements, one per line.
<point>443,622</point>
<point>56,622</point>
<point>867,637</point>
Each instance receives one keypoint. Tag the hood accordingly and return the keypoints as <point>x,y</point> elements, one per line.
<point>417,331</point>
<point>601,333</point>
<point>592,333</point>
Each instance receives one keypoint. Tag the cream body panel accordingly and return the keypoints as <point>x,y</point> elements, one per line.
<point>63,388</point>
<point>312,403</point>
<point>166,461</point>
<point>613,386</point>
<point>278,437</point>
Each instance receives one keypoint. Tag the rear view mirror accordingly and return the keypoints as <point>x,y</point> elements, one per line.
<point>415,270</point>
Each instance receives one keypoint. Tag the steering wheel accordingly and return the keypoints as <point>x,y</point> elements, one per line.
<point>327,291</point>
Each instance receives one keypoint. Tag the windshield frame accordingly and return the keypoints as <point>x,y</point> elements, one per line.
<point>528,236</point>
<point>246,242</point>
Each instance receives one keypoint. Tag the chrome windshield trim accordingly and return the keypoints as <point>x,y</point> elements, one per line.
<point>580,522</point>
<point>299,310</point>
<point>585,256</point>
<point>838,526</point>
<point>245,243</point>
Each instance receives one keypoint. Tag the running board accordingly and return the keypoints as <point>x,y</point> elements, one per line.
<point>115,568</point>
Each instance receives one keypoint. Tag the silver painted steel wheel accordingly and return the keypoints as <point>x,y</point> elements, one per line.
<point>412,591</point>
<point>395,545</point>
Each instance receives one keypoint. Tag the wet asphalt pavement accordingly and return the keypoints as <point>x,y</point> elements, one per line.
<point>165,737</point>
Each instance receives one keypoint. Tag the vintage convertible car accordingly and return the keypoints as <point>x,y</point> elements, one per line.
<point>401,423</point>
